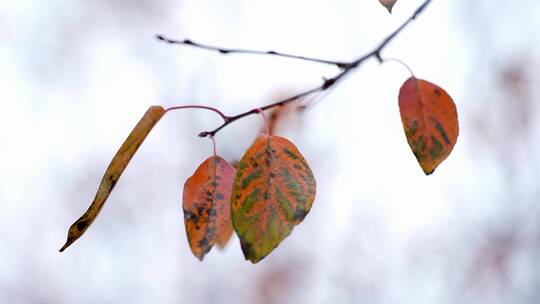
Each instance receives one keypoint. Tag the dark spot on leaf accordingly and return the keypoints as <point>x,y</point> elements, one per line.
<point>190,216</point>
<point>81,225</point>
<point>440,129</point>
<point>291,154</point>
<point>203,242</point>
<point>412,129</point>
<point>300,214</point>
<point>437,150</point>
<point>418,148</point>
<point>113,183</point>
<point>252,176</point>
<point>247,249</point>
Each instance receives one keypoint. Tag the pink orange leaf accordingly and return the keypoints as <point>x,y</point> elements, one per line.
<point>430,122</point>
<point>206,205</point>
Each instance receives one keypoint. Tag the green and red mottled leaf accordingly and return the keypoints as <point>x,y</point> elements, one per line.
<point>113,172</point>
<point>273,191</point>
<point>430,122</point>
<point>389,4</point>
<point>207,206</point>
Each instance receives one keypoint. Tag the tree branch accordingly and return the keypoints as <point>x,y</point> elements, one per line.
<point>327,83</point>
<point>226,51</point>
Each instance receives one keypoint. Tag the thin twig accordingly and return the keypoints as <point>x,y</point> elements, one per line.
<point>327,83</point>
<point>254,111</point>
<point>225,117</point>
<point>225,51</point>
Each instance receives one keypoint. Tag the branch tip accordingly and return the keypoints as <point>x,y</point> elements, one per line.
<point>328,83</point>
<point>378,56</point>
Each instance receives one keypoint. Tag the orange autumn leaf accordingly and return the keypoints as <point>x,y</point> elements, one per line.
<point>206,205</point>
<point>430,121</point>
<point>113,172</point>
<point>389,4</point>
<point>273,191</point>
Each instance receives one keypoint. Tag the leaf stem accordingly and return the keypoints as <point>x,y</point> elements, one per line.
<point>213,144</point>
<point>225,117</point>
<point>400,62</point>
<point>266,127</point>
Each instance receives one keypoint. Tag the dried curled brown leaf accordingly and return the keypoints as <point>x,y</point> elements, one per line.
<point>113,172</point>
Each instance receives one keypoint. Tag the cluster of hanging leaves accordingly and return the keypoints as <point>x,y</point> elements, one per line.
<point>273,188</point>
<point>270,193</point>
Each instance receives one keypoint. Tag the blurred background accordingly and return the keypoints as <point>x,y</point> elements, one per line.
<point>76,76</point>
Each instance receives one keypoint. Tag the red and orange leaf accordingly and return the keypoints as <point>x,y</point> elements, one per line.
<point>430,122</point>
<point>207,206</point>
<point>113,172</point>
<point>273,191</point>
<point>389,4</point>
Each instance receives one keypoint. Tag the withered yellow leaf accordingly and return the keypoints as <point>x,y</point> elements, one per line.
<point>113,172</point>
